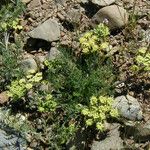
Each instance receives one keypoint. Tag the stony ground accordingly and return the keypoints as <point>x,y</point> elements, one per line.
<point>48,23</point>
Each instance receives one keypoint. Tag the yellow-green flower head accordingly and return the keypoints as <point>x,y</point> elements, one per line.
<point>89,122</point>
<point>114,113</point>
<point>82,40</point>
<point>88,34</point>
<point>85,50</point>
<point>91,43</point>
<point>104,45</point>
<point>85,111</point>
<point>95,38</point>
<point>93,100</point>
<point>99,126</point>
<point>95,48</point>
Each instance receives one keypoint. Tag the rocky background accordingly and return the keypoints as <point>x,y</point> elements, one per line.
<point>49,23</point>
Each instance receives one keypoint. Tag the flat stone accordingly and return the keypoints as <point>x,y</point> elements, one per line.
<point>48,31</point>
<point>103,2</point>
<point>128,107</point>
<point>112,141</point>
<point>115,16</point>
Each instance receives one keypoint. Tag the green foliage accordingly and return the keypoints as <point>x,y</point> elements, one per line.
<point>47,103</point>
<point>76,81</point>
<point>19,88</point>
<point>143,60</point>
<point>102,31</point>
<point>66,133</point>
<point>95,40</point>
<point>98,111</point>
<point>11,25</point>
<point>9,14</point>
<point>10,67</point>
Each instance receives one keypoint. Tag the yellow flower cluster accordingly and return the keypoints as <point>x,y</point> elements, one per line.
<point>99,110</point>
<point>89,43</point>
<point>142,60</point>
<point>19,88</point>
<point>93,40</point>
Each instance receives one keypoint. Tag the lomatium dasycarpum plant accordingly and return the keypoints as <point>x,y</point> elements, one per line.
<point>99,110</point>
<point>19,88</point>
<point>9,16</point>
<point>47,103</point>
<point>95,40</point>
<point>142,60</point>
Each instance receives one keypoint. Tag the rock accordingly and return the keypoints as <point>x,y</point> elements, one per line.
<point>142,132</point>
<point>40,61</point>
<point>10,139</point>
<point>74,15</point>
<point>48,31</point>
<point>29,64</point>
<point>102,2</point>
<point>139,131</point>
<point>61,2</point>
<point>26,1</point>
<point>99,2</point>
<point>116,16</point>
<point>3,97</point>
<point>84,1</point>
<point>44,87</point>
<point>128,107</point>
<point>33,144</point>
<point>112,141</point>
<point>53,53</point>
<point>33,4</point>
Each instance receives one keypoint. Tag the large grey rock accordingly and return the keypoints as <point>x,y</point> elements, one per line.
<point>128,107</point>
<point>48,31</point>
<point>29,64</point>
<point>103,2</point>
<point>112,141</point>
<point>116,16</point>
